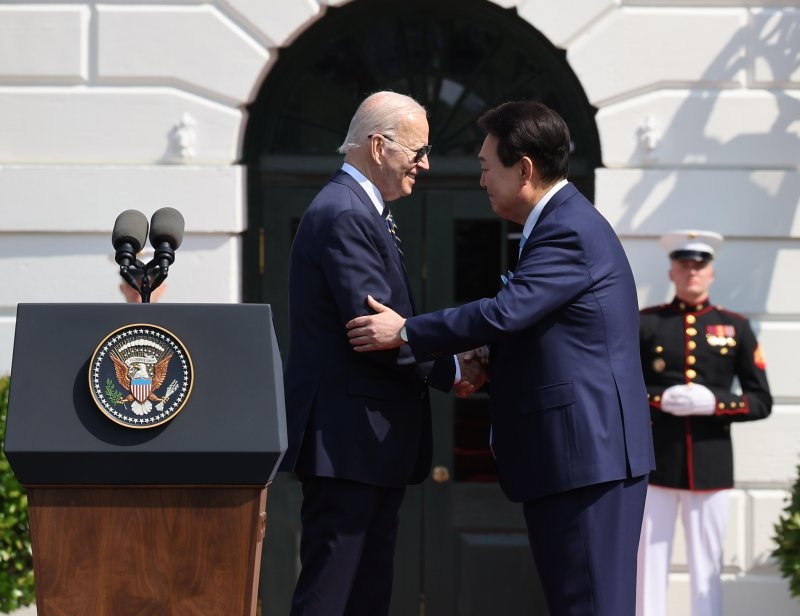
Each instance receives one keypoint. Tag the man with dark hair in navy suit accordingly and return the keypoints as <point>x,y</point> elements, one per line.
<point>570,421</point>
<point>359,426</point>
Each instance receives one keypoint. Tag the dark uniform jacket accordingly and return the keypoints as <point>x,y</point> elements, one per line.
<point>710,346</point>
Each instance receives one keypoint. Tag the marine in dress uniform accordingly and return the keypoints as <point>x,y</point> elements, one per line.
<point>692,354</point>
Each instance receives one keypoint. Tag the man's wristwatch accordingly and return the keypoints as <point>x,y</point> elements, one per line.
<point>403,334</point>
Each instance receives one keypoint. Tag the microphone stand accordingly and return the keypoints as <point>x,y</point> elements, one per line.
<point>146,278</point>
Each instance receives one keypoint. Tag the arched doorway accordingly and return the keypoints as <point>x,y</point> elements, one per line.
<point>462,548</point>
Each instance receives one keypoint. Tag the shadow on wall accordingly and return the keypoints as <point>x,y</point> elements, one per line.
<point>746,278</point>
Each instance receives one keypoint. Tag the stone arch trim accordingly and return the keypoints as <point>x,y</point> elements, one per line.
<point>278,24</point>
<point>486,56</point>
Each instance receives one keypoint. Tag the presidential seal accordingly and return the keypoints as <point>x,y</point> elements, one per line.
<point>140,376</point>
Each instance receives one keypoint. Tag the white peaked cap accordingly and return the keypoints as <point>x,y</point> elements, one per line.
<point>691,244</point>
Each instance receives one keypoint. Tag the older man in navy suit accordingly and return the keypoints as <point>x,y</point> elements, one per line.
<point>359,426</point>
<point>570,420</point>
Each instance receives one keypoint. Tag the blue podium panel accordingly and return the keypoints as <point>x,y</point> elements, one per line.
<point>228,424</point>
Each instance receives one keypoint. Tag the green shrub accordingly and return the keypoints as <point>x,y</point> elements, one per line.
<point>16,565</point>
<point>787,537</point>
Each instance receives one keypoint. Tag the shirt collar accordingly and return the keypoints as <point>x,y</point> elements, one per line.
<point>530,222</point>
<point>369,188</point>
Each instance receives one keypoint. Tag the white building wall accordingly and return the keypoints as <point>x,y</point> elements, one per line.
<point>699,120</point>
<point>139,105</point>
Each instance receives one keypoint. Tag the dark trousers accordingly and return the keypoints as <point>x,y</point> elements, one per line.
<point>349,531</point>
<point>584,544</point>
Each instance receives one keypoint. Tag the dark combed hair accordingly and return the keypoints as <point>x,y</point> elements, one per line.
<point>530,128</point>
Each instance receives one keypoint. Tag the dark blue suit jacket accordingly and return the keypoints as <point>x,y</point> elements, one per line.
<point>358,416</point>
<point>568,401</point>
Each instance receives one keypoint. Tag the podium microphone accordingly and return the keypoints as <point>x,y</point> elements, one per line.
<point>128,237</point>
<point>166,235</point>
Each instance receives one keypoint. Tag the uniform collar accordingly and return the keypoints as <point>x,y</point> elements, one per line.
<point>685,307</point>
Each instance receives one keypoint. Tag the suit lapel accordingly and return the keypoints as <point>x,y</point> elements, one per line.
<point>380,222</point>
<point>342,177</point>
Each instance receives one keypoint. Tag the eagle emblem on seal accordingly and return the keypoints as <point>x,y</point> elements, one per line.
<point>140,376</point>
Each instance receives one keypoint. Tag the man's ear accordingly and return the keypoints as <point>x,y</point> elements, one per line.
<point>376,146</point>
<point>527,169</point>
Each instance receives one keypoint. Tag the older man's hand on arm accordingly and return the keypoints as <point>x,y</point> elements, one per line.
<point>376,332</point>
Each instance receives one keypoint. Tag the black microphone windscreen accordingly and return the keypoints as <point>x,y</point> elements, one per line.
<point>130,228</point>
<point>166,225</point>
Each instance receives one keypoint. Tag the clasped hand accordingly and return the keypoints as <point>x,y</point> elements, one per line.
<point>474,372</point>
<point>690,399</point>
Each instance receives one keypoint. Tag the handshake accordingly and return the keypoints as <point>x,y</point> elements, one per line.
<point>473,365</point>
<point>692,399</point>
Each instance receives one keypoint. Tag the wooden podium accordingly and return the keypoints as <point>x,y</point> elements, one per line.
<point>162,521</point>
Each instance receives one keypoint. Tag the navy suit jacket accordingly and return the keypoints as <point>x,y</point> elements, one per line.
<point>358,416</point>
<point>568,401</point>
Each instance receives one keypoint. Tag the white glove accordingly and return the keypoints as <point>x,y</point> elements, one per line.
<point>691,399</point>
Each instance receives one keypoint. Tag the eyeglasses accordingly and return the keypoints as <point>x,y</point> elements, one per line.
<point>418,154</point>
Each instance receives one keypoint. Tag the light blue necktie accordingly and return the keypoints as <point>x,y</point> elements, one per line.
<point>505,279</point>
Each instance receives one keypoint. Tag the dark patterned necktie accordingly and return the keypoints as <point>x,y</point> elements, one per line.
<point>390,224</point>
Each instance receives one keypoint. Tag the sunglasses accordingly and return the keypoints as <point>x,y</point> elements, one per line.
<point>418,154</point>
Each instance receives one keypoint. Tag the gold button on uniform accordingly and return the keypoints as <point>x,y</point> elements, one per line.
<point>691,331</point>
<point>691,373</point>
<point>691,319</point>
<point>691,345</point>
<point>691,360</point>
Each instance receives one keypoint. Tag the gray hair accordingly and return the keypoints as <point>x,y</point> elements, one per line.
<point>380,112</point>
